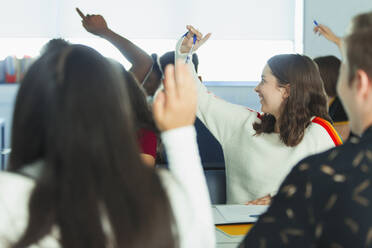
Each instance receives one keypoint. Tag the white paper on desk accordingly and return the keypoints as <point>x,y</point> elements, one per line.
<point>225,214</point>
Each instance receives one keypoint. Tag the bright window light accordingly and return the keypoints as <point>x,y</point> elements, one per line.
<point>219,60</point>
<point>238,60</point>
<point>21,47</point>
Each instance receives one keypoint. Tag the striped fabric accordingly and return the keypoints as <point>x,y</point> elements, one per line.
<point>330,129</point>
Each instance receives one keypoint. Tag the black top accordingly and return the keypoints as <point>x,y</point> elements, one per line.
<point>326,201</point>
<point>336,111</point>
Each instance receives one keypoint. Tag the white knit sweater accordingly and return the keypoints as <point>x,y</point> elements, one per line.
<point>255,164</point>
<point>185,187</point>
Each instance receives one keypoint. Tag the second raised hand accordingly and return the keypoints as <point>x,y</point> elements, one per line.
<point>94,24</point>
<point>175,106</point>
<point>80,13</point>
<point>187,43</point>
<point>325,31</point>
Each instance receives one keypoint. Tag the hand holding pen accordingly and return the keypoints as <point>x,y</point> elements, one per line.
<point>191,49</point>
<point>190,44</point>
<point>321,29</point>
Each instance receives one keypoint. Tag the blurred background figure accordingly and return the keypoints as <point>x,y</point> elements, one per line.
<point>329,67</point>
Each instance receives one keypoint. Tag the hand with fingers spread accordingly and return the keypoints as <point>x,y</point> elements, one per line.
<point>327,33</point>
<point>266,200</point>
<point>188,40</point>
<point>176,106</point>
<point>94,24</point>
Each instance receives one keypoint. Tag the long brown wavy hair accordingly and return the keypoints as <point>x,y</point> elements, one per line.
<point>306,98</point>
<point>73,113</point>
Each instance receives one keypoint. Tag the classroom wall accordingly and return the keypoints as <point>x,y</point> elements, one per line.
<point>334,13</point>
<point>242,95</point>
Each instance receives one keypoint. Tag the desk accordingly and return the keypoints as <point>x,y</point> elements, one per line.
<point>228,233</point>
<point>230,236</point>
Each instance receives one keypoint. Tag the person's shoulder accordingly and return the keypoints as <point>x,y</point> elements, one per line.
<point>258,114</point>
<point>337,158</point>
<point>321,124</point>
<point>14,181</point>
<point>321,128</point>
<point>15,191</point>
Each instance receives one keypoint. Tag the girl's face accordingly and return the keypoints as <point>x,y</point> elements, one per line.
<point>271,95</point>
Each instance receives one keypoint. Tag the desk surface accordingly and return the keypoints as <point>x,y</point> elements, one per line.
<point>229,236</point>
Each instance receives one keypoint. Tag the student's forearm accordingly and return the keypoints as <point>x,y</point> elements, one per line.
<point>221,118</point>
<point>140,60</point>
<point>338,42</point>
<point>185,165</point>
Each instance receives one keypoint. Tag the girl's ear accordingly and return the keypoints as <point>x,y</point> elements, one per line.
<point>286,90</point>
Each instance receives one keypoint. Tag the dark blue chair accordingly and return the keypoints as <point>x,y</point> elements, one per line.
<point>216,182</point>
<point>213,163</point>
<point>209,148</point>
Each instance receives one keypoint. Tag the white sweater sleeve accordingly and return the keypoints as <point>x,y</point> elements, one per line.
<point>187,189</point>
<point>222,118</point>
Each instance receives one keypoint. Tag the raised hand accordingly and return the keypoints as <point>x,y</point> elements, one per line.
<point>176,106</point>
<point>94,24</point>
<point>188,40</point>
<point>327,33</point>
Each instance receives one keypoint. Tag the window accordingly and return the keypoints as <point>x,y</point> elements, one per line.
<point>245,33</point>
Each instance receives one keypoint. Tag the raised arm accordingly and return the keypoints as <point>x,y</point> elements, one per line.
<point>140,60</point>
<point>174,113</point>
<point>223,119</point>
<point>328,34</point>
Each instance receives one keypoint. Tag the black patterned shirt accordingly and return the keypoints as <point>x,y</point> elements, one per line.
<point>326,201</point>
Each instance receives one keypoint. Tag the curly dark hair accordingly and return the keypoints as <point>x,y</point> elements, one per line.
<point>307,97</point>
